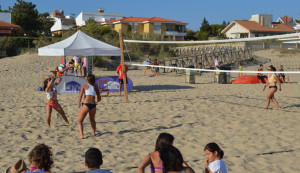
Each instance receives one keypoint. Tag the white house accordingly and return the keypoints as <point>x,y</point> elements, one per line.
<point>98,16</point>
<point>258,25</point>
<point>5,17</point>
<point>62,24</point>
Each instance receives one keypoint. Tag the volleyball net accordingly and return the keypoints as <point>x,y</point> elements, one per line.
<point>249,53</point>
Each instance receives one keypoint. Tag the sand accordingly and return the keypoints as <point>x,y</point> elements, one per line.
<point>253,139</point>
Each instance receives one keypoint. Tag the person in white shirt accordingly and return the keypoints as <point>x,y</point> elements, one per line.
<point>213,161</point>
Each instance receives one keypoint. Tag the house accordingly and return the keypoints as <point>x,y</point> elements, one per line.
<point>61,22</point>
<point>98,16</point>
<point>167,28</point>
<point>258,25</point>
<point>6,26</point>
<point>289,22</point>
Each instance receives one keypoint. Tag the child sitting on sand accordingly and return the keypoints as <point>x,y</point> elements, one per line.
<point>93,161</point>
<point>213,161</point>
<point>40,159</point>
<point>52,102</point>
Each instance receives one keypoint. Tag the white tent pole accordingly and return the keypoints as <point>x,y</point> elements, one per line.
<point>38,71</point>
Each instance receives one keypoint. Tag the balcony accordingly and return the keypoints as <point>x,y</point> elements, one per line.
<point>157,32</point>
<point>175,33</point>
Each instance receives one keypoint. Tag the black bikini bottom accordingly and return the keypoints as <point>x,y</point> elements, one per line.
<point>89,105</point>
<point>273,87</point>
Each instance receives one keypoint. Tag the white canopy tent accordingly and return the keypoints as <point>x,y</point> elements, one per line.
<point>79,44</point>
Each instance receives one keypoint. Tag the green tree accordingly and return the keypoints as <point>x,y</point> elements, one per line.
<point>190,35</point>
<point>205,27</point>
<point>25,15</point>
<point>224,23</point>
<point>45,24</point>
<point>103,33</point>
<point>202,35</point>
<point>216,29</point>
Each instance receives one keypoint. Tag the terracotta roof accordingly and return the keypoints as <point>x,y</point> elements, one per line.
<point>286,20</point>
<point>254,26</point>
<point>143,19</point>
<point>5,25</point>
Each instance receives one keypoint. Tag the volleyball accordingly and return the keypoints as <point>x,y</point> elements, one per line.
<point>61,68</point>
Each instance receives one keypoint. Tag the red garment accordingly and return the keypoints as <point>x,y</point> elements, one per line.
<point>120,71</point>
<point>155,63</point>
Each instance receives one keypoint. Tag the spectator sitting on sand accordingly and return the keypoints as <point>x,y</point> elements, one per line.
<point>282,76</point>
<point>164,140</point>
<point>260,76</point>
<point>18,167</point>
<point>213,161</point>
<point>40,159</point>
<point>93,161</point>
<point>173,161</point>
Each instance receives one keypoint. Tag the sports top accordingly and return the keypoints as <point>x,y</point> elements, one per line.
<point>52,94</point>
<point>90,91</point>
<point>272,78</point>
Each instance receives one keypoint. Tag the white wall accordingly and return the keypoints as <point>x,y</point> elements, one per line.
<point>235,30</point>
<point>268,18</point>
<point>98,17</point>
<point>5,16</point>
<point>57,25</point>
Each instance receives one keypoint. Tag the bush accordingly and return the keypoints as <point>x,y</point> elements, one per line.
<point>13,45</point>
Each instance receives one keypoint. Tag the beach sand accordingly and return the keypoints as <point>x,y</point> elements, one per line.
<point>254,139</point>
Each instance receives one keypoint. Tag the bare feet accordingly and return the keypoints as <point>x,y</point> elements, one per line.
<point>81,137</point>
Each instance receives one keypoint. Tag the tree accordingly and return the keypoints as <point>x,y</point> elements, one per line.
<point>190,35</point>
<point>216,29</point>
<point>205,27</point>
<point>45,24</point>
<point>25,15</point>
<point>224,23</point>
<point>202,35</point>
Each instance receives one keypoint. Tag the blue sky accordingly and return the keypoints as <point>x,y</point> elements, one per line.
<point>189,11</point>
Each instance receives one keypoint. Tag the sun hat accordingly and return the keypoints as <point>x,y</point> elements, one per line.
<point>17,167</point>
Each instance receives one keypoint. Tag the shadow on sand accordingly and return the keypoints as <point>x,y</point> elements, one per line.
<point>159,87</point>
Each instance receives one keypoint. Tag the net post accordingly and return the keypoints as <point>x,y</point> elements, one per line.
<point>123,66</point>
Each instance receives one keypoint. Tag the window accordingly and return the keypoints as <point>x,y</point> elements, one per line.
<point>136,27</point>
<point>168,27</point>
<point>156,27</point>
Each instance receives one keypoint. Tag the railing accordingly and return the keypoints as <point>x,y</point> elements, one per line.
<point>157,32</point>
<point>176,33</point>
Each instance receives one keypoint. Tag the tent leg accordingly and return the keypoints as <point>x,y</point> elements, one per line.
<point>38,71</point>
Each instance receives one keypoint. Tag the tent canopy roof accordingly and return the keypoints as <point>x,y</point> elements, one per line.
<point>79,44</point>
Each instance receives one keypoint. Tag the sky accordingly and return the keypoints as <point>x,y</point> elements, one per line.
<point>189,11</point>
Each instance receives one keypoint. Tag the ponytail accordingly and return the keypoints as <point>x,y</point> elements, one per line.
<point>213,147</point>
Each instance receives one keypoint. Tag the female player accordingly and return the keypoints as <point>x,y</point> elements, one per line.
<point>272,80</point>
<point>52,102</point>
<point>89,104</point>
